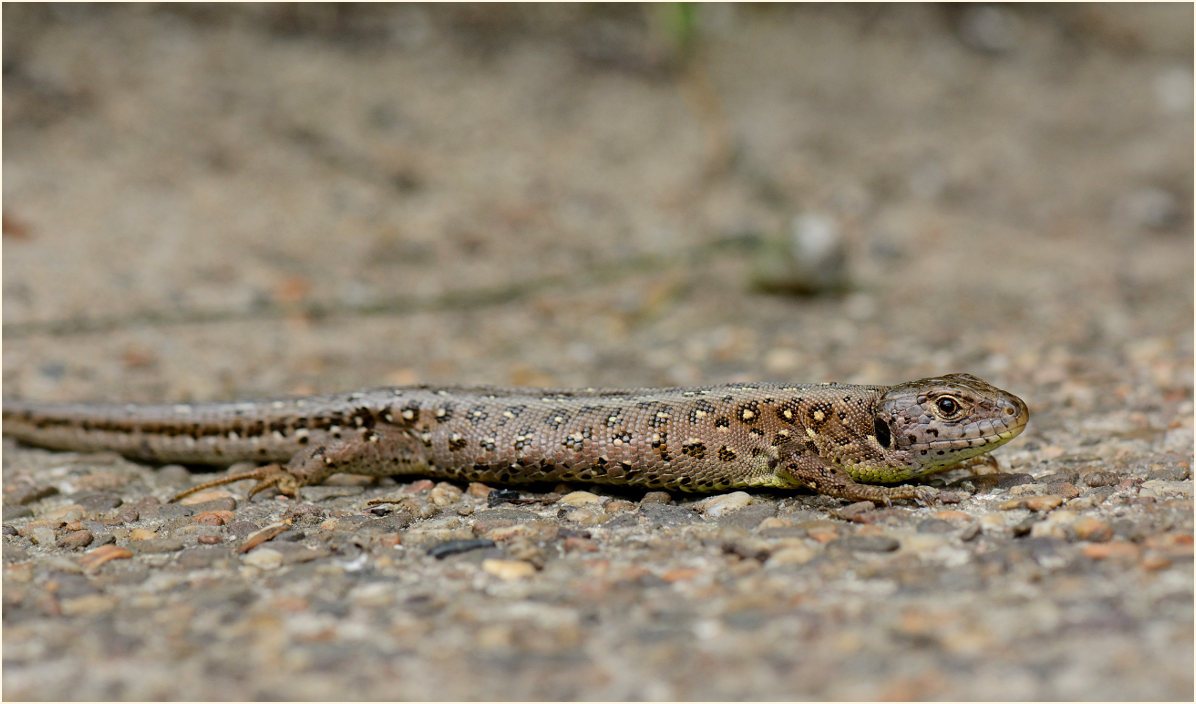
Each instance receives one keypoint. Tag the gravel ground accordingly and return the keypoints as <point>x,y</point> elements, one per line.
<point>219,202</point>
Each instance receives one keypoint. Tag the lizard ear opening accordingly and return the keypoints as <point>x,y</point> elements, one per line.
<point>883,436</point>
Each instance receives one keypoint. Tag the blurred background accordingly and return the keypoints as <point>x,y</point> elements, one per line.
<point>207,201</point>
<point>218,201</point>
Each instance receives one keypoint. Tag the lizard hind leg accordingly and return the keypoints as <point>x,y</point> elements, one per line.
<point>266,476</point>
<point>308,467</point>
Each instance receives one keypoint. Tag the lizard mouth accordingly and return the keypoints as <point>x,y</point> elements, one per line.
<point>941,453</point>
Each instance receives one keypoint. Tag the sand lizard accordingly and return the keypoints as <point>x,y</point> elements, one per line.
<point>837,439</point>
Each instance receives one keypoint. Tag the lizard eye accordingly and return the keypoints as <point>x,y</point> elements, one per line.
<point>947,406</point>
<point>883,436</point>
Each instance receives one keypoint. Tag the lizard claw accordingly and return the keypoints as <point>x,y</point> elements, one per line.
<point>926,495</point>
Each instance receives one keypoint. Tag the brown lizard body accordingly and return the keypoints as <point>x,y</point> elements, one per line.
<point>828,437</point>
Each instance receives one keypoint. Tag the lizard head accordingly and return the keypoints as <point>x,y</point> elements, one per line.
<point>933,424</point>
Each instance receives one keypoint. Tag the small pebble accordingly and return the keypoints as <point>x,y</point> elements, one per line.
<point>478,490</point>
<point>41,535</point>
<point>265,534</point>
<point>793,555</point>
<point>585,516</point>
<point>1023,527</point>
<point>1066,490</point>
<point>774,522</point>
<point>580,498</point>
<point>619,506</point>
<point>264,558</point>
<point>11,512</point>
<point>99,502</point>
<point>508,569</point>
<point>1155,561</point>
<point>1038,504</point>
<point>1100,478</point>
<point>444,494</point>
<point>142,534</point>
<point>214,518</point>
<point>856,512</point>
<point>1116,549</point>
<point>657,497</point>
<point>419,486</point>
<point>22,494</point>
<point>75,540</point>
<point>716,506</point>
<point>500,496</point>
<point>389,540</point>
<point>935,526</point>
<point>1092,529</point>
<point>89,604</point>
<point>153,546</point>
<point>64,514</point>
<point>578,544</point>
<point>681,574</point>
<point>867,543</point>
<point>454,547</point>
<point>92,560</point>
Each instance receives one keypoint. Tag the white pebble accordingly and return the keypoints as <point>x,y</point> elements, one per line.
<point>722,504</point>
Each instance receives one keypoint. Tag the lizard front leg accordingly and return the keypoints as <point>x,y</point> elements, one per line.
<point>805,467</point>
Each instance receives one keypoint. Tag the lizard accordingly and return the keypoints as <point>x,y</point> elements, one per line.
<point>840,440</point>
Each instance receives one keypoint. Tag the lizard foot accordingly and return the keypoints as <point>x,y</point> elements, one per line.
<point>271,475</point>
<point>922,494</point>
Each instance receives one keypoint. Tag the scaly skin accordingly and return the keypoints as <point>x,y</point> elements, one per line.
<point>837,439</point>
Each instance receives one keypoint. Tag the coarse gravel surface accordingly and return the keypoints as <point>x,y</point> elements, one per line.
<point>213,202</point>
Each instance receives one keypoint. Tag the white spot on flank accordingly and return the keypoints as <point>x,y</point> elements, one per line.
<point>232,435</point>
<point>408,414</point>
<point>388,417</point>
<point>440,413</point>
<point>182,409</point>
<point>277,404</point>
<point>811,433</point>
<point>508,415</point>
<point>700,413</point>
